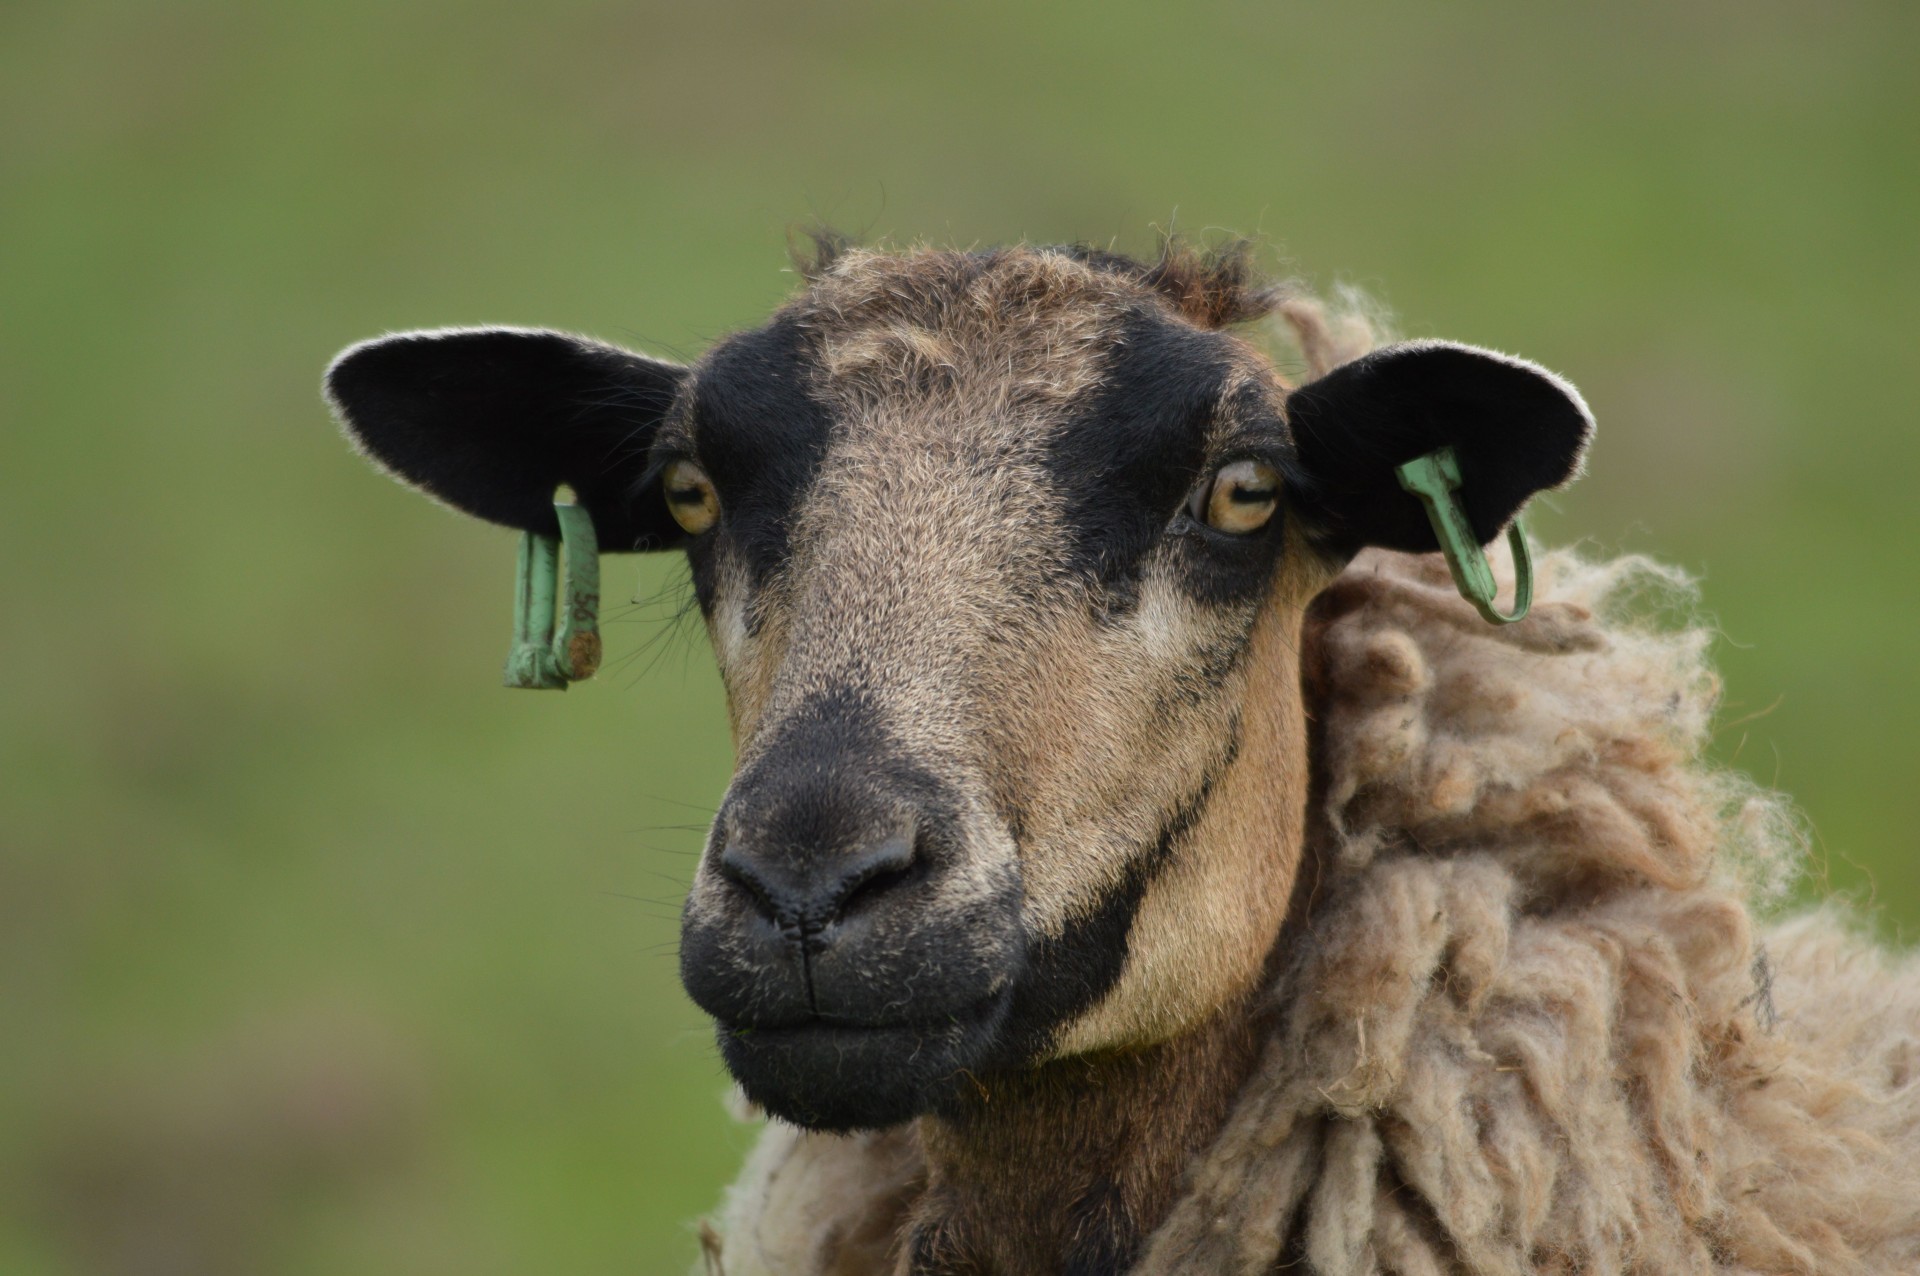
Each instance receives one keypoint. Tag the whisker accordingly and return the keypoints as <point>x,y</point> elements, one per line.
<point>643,899</point>
<point>691,806</point>
<point>669,878</point>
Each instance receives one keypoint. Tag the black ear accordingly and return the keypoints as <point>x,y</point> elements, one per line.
<point>1516,428</point>
<point>492,420</point>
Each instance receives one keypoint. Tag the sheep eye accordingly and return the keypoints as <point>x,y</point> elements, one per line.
<point>1239,498</point>
<point>690,496</point>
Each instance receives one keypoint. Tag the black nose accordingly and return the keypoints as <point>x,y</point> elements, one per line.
<point>801,893</point>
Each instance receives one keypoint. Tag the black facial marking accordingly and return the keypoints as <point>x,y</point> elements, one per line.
<point>1068,974</point>
<point>1125,465</point>
<point>760,436</point>
<point>1126,459</point>
<point>1200,682</point>
<point>1220,569</point>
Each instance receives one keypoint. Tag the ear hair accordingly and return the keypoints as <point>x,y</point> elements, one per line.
<point>492,420</point>
<point>1517,429</point>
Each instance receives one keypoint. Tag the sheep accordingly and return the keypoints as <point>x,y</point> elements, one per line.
<point>1139,858</point>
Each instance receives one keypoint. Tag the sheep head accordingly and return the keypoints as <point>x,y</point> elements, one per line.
<point>1003,556</point>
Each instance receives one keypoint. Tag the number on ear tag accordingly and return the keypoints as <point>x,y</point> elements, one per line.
<point>1434,478</point>
<point>542,659</point>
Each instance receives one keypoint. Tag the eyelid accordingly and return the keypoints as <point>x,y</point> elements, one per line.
<point>664,456</point>
<point>1211,470</point>
<point>1252,451</point>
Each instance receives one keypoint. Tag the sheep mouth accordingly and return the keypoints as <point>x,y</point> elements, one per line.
<point>828,1073</point>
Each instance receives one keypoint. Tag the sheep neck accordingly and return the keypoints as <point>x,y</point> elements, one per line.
<point>1068,1167</point>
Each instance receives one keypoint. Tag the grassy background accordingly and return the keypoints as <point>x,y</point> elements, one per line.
<point>319,953</point>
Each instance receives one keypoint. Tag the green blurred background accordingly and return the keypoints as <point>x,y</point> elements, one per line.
<point>319,952</point>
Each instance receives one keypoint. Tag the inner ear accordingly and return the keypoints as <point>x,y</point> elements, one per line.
<point>492,420</point>
<point>1516,429</point>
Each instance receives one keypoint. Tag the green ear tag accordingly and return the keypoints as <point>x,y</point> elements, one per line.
<point>541,659</point>
<point>1434,478</point>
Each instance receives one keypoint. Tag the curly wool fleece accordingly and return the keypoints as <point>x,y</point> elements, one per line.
<point>1531,1023</point>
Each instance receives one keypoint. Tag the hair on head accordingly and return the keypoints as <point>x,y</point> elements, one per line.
<point>814,249</point>
<point>1214,286</point>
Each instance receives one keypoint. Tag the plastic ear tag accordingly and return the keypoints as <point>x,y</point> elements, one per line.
<point>541,658</point>
<point>1434,478</point>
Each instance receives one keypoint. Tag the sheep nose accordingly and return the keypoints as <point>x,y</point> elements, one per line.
<point>805,895</point>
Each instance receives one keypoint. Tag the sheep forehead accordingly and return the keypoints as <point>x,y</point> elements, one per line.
<point>994,291</point>
<point>963,369</point>
<point>1009,330</point>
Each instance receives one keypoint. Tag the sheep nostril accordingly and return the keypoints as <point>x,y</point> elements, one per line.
<point>877,871</point>
<point>808,897</point>
<point>738,868</point>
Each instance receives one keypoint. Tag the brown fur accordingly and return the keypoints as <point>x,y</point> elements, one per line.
<point>1087,1151</point>
<point>1212,287</point>
<point>1095,1146</point>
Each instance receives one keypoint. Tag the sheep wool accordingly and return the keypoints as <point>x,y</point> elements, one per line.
<point>1532,1020</point>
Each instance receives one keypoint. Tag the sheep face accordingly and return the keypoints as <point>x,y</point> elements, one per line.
<point>987,665</point>
<point>1003,557</point>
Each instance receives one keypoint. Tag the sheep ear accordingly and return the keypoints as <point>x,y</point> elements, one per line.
<point>1515,428</point>
<point>492,420</point>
